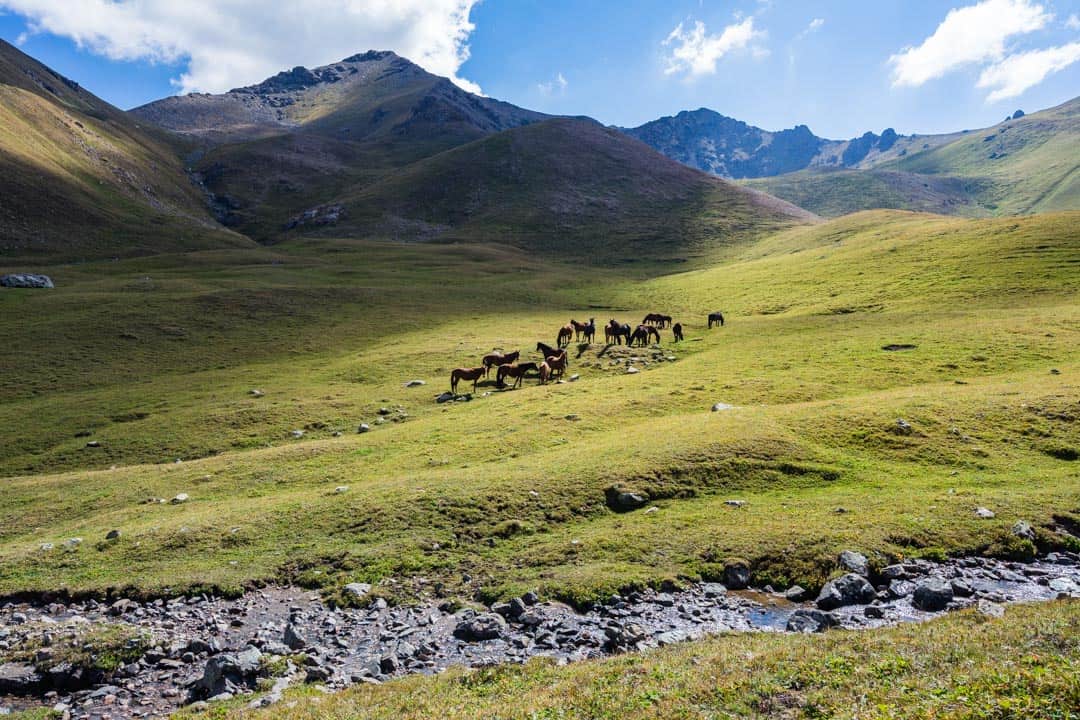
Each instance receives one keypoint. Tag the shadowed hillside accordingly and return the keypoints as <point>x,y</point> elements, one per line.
<point>80,179</point>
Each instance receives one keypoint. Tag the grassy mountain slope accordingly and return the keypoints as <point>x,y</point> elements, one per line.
<point>1031,164</point>
<point>567,187</point>
<point>330,330</point>
<point>80,179</point>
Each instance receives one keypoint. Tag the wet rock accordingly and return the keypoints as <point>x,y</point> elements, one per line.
<point>26,281</point>
<point>1064,585</point>
<point>932,594</point>
<point>486,626</point>
<point>854,562</point>
<point>808,620</point>
<point>875,612</point>
<point>984,513</point>
<point>961,588</point>
<point>621,500</point>
<point>850,589</point>
<point>901,588</point>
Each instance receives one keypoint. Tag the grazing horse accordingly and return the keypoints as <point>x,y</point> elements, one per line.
<point>579,328</point>
<point>716,318</point>
<point>545,349</point>
<point>589,332</point>
<point>677,330</point>
<point>516,371</point>
<point>565,333</point>
<point>494,359</point>
<point>557,363</point>
<point>640,335</point>
<point>652,318</point>
<point>473,374</point>
<point>665,321</point>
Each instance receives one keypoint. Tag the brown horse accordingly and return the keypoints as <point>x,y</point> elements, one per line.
<point>639,336</point>
<point>677,330</point>
<point>545,372</point>
<point>494,359</point>
<point>473,374</point>
<point>565,333</point>
<point>665,321</point>
<point>652,319</point>
<point>579,328</point>
<point>589,333</point>
<point>544,349</point>
<point>557,363</point>
<point>516,371</point>
<point>716,318</point>
<point>617,331</point>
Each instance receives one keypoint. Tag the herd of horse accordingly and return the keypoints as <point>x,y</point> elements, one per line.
<point>556,360</point>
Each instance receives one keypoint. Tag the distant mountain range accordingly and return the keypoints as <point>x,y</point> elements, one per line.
<point>376,147</point>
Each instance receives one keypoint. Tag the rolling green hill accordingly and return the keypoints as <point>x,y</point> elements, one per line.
<point>1027,165</point>
<point>80,179</point>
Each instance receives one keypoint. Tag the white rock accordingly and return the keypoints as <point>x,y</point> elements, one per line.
<point>297,433</point>
<point>180,498</point>
<point>632,370</point>
<point>718,407</point>
<point>415,383</point>
<point>341,489</point>
<point>984,513</point>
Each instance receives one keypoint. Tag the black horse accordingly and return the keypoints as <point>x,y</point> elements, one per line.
<point>677,330</point>
<point>716,318</point>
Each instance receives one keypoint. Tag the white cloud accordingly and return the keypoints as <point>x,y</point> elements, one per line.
<point>695,52</point>
<point>1073,22</point>
<point>813,27</point>
<point>229,43</point>
<point>970,35</point>
<point>557,85</point>
<point>1018,72</point>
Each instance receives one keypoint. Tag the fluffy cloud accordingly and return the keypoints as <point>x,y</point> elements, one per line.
<point>1073,22</point>
<point>970,35</point>
<point>228,43</point>
<point>695,52</point>
<point>557,85</point>
<point>1018,72</point>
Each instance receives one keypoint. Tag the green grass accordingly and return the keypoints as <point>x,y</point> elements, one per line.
<point>506,488</point>
<point>1025,665</point>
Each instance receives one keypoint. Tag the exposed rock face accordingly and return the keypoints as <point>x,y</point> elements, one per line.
<point>850,589</point>
<point>25,280</point>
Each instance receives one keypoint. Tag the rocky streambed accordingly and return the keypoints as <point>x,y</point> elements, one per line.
<point>160,655</point>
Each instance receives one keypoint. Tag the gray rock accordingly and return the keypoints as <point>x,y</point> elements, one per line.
<point>903,427</point>
<point>297,434</point>
<point>19,679</point>
<point>901,588</point>
<point>854,562</point>
<point>875,612</point>
<point>895,572</point>
<point>961,588</point>
<point>388,665</point>
<point>364,427</point>
<point>444,398</point>
<point>294,637</point>
<point>621,500</point>
<point>736,575</point>
<point>720,407</point>
<point>530,598</point>
<point>228,668</point>
<point>26,280</point>
<point>984,513</point>
<point>415,383</point>
<point>1064,585</point>
<point>486,626</point>
<point>932,594</point>
<point>180,498</point>
<point>807,620</point>
<point>1023,529</point>
<point>795,593</point>
<point>357,590</point>
<point>850,589</point>
<point>989,609</point>
<point>713,590</point>
<point>113,535</point>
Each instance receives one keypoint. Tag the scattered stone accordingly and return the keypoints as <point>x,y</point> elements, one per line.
<point>486,626</point>
<point>575,377</point>
<point>112,535</point>
<point>415,383</point>
<point>221,671</point>
<point>19,679</point>
<point>26,281</point>
<point>850,589</point>
<point>93,444</point>
<point>631,370</point>
<point>257,393</point>
<point>719,407</point>
<point>984,513</point>
<point>651,509</point>
<point>903,427</point>
<point>795,593</point>
<point>341,489</point>
<point>990,609</point>
<point>444,397</point>
<point>932,594</point>
<point>621,500</point>
<point>875,612</point>
<point>735,503</point>
<point>1023,529</point>
<point>73,542</point>
<point>854,562</point>
<point>294,637</point>
<point>179,498</point>
<point>297,434</point>
<point>806,620</point>
<point>364,427</point>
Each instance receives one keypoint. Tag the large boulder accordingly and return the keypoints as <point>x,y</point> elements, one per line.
<point>622,500</point>
<point>486,626</point>
<point>228,671</point>
<point>854,562</point>
<point>932,594</point>
<point>809,620</point>
<point>25,280</point>
<point>850,589</point>
<point>19,679</point>
<point>736,574</point>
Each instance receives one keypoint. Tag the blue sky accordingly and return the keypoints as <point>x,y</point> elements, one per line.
<point>842,67</point>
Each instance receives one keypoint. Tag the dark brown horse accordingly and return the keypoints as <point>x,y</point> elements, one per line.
<point>589,333</point>
<point>516,371</point>
<point>652,319</point>
<point>716,318</point>
<point>494,359</point>
<point>544,349</point>
<point>579,328</point>
<point>677,330</point>
<point>617,331</point>
<point>565,333</point>
<point>473,374</point>
<point>665,321</point>
<point>643,334</point>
